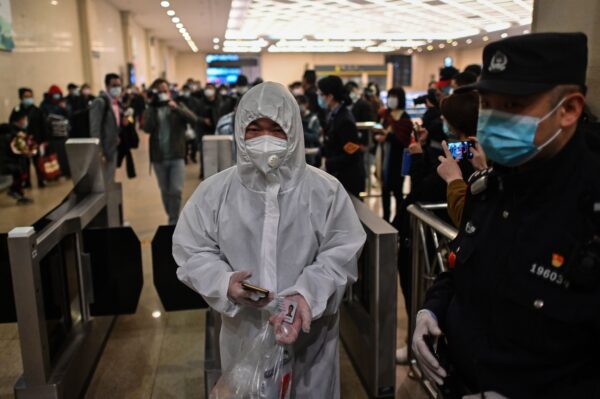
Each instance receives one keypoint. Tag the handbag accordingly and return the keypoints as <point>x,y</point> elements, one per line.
<point>48,165</point>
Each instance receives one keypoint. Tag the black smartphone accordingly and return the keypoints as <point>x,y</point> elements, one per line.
<point>461,149</point>
<point>261,291</point>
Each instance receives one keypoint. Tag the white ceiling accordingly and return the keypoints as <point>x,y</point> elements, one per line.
<point>372,25</point>
<point>331,25</point>
<point>203,19</point>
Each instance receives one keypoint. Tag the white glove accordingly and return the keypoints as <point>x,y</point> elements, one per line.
<point>427,325</point>
<point>287,334</point>
<point>240,296</point>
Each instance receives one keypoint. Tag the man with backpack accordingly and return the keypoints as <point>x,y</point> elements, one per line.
<point>106,121</point>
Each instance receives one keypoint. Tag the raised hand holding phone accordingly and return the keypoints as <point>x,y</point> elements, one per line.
<point>448,168</point>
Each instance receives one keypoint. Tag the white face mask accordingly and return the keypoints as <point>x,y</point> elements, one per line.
<point>163,96</point>
<point>392,102</point>
<point>209,92</point>
<point>266,152</point>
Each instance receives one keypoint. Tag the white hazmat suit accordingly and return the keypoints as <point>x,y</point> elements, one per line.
<point>294,228</point>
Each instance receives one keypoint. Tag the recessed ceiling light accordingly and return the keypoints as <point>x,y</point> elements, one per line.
<point>170,13</point>
<point>454,44</point>
<point>419,49</point>
<point>179,25</point>
<point>485,38</point>
<point>182,30</point>
<point>449,41</point>
<point>54,2</point>
<point>441,45</point>
<point>430,47</point>
<point>429,41</point>
<point>156,314</point>
<point>216,40</point>
<point>165,4</point>
<point>504,35</point>
<point>469,41</point>
<point>175,20</point>
<point>216,47</point>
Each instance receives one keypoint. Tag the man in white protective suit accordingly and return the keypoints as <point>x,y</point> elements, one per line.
<point>280,224</point>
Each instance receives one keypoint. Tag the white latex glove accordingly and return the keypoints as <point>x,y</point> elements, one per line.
<point>239,295</point>
<point>448,168</point>
<point>427,325</point>
<point>287,334</point>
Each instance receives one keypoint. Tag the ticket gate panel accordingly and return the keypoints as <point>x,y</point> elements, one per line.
<point>8,312</point>
<point>173,294</point>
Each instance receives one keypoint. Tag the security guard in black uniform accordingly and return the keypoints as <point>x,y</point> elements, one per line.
<point>518,312</point>
<point>342,148</point>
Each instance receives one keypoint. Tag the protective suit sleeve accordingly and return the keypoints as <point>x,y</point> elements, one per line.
<point>202,266</point>
<point>324,282</point>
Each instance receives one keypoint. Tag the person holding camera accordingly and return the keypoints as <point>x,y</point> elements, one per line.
<point>166,122</point>
<point>519,304</point>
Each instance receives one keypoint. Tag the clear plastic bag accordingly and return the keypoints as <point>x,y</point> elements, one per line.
<point>263,370</point>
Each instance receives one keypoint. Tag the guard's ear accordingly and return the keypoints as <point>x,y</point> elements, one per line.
<point>570,110</point>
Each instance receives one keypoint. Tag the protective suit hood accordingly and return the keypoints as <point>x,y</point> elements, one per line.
<point>274,101</point>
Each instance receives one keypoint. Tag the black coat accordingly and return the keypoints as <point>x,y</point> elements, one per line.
<point>342,152</point>
<point>514,316</point>
<point>36,125</point>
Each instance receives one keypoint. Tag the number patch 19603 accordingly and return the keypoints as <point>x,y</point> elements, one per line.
<point>549,275</point>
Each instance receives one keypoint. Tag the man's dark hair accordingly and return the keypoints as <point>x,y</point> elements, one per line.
<point>465,78</point>
<point>109,77</point>
<point>157,82</point>
<point>333,85</point>
<point>461,111</point>
<point>310,77</point>
<point>72,86</point>
<point>23,90</point>
<point>475,69</point>
<point>17,115</point>
<point>447,73</point>
<point>351,85</point>
<point>400,94</point>
<point>242,80</point>
<point>294,85</point>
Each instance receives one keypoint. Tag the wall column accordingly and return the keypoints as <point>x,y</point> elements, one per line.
<point>563,16</point>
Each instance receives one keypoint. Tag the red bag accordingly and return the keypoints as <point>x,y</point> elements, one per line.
<point>48,165</point>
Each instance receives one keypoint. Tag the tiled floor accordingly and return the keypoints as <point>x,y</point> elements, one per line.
<point>148,357</point>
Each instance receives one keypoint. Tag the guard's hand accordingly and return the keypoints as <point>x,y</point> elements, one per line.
<point>448,168</point>
<point>427,325</point>
<point>479,160</point>
<point>172,104</point>
<point>239,295</point>
<point>287,334</point>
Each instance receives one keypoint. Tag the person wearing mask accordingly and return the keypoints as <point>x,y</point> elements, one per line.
<point>342,151</point>
<point>446,75</point>
<point>15,150</point>
<point>432,123</point>
<point>371,94</point>
<point>210,109</point>
<point>193,132</point>
<point>307,259</point>
<point>395,137</point>
<point>56,117</point>
<point>309,86</point>
<point>77,107</point>
<point>166,122</point>
<point>36,129</point>
<point>241,87</point>
<point>86,93</point>
<point>312,132</point>
<point>106,119</point>
<point>361,109</point>
<point>519,303</point>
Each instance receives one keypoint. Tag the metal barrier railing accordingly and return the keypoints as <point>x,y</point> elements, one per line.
<point>430,239</point>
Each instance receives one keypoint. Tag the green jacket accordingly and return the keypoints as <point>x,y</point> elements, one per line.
<point>179,117</point>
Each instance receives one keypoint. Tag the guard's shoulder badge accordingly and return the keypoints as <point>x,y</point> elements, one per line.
<point>478,181</point>
<point>350,148</point>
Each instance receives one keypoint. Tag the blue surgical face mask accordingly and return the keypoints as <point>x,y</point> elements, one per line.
<point>447,130</point>
<point>322,102</point>
<point>508,139</point>
<point>28,101</point>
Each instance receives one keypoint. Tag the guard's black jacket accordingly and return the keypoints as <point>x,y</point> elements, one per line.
<point>521,315</point>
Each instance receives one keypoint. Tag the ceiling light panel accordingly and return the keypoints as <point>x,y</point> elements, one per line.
<point>379,20</point>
